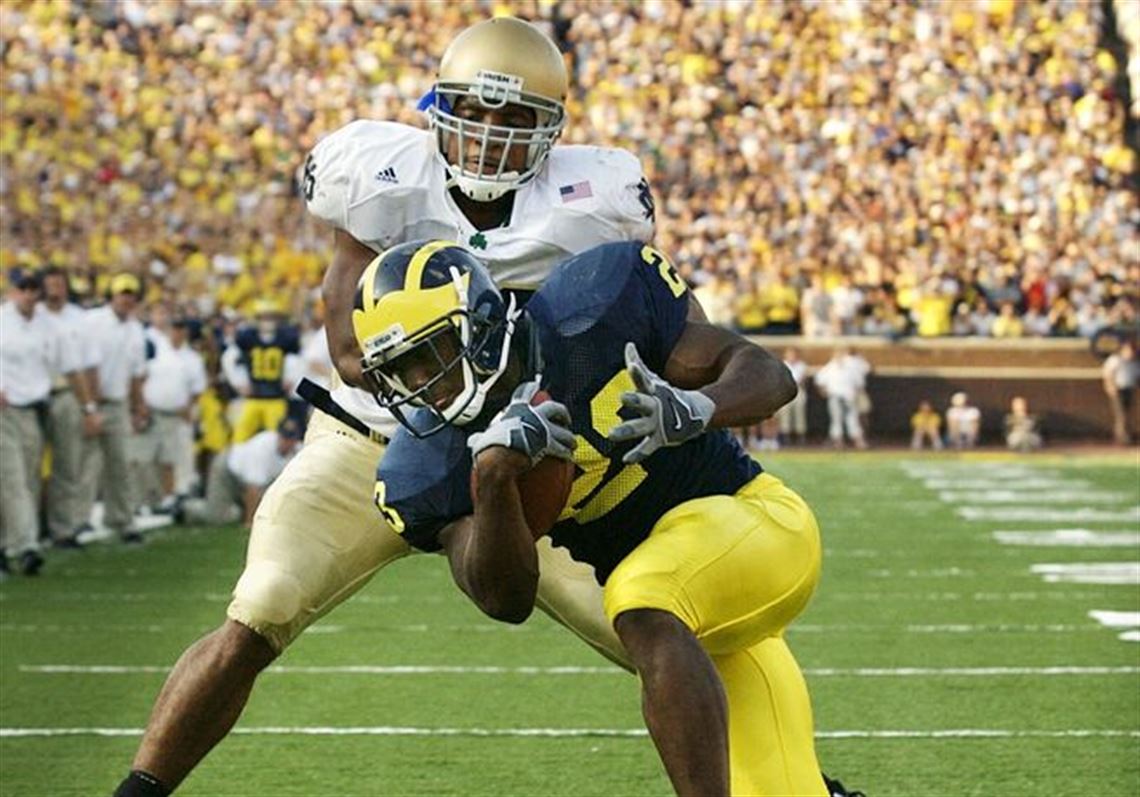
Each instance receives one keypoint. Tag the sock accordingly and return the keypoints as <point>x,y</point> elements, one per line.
<point>141,784</point>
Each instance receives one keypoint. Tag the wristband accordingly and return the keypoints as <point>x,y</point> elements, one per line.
<point>90,408</point>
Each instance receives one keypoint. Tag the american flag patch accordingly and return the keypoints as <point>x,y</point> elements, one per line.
<point>576,191</point>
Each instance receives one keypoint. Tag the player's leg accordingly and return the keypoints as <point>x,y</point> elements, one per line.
<point>316,539</point>
<point>248,421</point>
<point>569,593</point>
<point>766,691</point>
<point>735,570</point>
<point>682,700</point>
<point>273,412</point>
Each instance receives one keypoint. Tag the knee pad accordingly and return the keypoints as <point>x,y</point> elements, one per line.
<point>267,599</point>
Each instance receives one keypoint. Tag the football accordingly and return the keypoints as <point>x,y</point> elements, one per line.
<point>543,489</point>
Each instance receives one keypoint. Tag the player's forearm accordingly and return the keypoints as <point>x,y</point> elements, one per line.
<point>338,289</point>
<point>501,564</point>
<point>752,386</point>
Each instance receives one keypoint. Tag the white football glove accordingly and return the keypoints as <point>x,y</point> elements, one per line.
<point>667,415</point>
<point>538,431</point>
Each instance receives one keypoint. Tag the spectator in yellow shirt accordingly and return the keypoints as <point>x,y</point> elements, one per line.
<point>781,306</point>
<point>926,424</point>
<point>1008,325</point>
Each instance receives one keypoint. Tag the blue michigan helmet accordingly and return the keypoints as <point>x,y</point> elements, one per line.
<point>427,313</point>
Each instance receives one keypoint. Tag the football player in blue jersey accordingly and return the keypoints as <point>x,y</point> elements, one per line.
<point>704,558</point>
<point>261,351</point>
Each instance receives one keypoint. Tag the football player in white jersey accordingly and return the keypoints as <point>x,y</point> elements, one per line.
<point>485,173</point>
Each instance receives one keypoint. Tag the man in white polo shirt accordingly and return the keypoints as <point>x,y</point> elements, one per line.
<point>31,351</point>
<point>176,376</point>
<point>71,417</point>
<point>120,344</point>
<point>240,474</point>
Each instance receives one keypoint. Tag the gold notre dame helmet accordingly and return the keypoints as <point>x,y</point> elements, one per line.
<point>498,62</point>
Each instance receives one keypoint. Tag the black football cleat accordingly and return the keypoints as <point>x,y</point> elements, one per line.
<point>30,563</point>
<point>835,788</point>
<point>69,543</point>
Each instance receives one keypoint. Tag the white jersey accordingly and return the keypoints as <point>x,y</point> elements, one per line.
<point>384,184</point>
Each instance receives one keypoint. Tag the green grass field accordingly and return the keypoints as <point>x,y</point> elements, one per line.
<point>939,662</point>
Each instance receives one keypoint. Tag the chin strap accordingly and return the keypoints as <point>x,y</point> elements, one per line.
<point>475,406</point>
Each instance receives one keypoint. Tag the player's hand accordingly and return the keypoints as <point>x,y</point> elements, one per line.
<point>665,415</point>
<point>536,431</point>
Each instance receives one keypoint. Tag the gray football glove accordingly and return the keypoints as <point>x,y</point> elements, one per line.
<point>667,415</point>
<point>542,430</point>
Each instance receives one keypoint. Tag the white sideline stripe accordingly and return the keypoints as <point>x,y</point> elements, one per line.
<point>384,730</point>
<point>1036,497</point>
<point>1111,619</point>
<point>1130,636</point>
<point>1089,573</point>
<point>366,669</point>
<point>1078,538</point>
<point>1029,483</point>
<point>1084,514</point>
<point>976,470</point>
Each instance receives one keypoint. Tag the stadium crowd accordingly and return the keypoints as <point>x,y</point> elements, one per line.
<point>830,168</point>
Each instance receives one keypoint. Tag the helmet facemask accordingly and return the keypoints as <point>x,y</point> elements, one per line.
<point>471,341</point>
<point>490,178</point>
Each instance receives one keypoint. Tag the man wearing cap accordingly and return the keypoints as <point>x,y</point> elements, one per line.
<point>239,476</point>
<point>31,351</point>
<point>120,346</point>
<point>72,415</point>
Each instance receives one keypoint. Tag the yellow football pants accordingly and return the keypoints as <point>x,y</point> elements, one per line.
<point>257,415</point>
<point>737,570</point>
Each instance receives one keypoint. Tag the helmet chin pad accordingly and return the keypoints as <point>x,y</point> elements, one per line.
<point>484,190</point>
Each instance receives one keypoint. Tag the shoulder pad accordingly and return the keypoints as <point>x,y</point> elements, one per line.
<point>616,178</point>
<point>245,337</point>
<point>359,161</point>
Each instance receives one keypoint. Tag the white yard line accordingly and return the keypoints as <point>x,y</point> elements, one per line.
<point>1089,572</point>
<point>1065,538</point>
<point>563,733</point>
<point>1035,497</point>
<point>1113,619</point>
<point>379,669</point>
<point>1034,514</point>
<point>1028,483</point>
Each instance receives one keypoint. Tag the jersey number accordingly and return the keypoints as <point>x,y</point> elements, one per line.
<point>664,268</point>
<point>309,179</point>
<point>265,364</point>
<point>604,483</point>
<point>387,512</point>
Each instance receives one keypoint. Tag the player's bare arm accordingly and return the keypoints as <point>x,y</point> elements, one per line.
<point>339,285</point>
<point>746,383</point>
<point>495,561</point>
<point>492,553</point>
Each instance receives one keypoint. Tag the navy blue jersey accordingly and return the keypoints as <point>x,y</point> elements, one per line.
<point>265,360</point>
<point>582,318</point>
